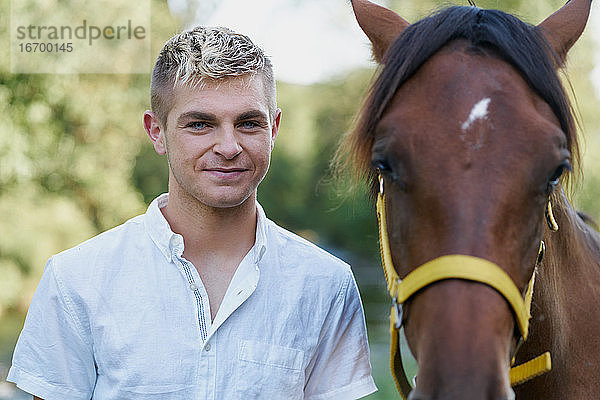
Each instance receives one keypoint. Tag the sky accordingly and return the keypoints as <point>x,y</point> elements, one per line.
<point>309,40</point>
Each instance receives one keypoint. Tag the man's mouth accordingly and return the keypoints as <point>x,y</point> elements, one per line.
<point>225,172</point>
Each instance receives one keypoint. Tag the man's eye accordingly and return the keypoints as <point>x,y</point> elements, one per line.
<point>198,125</point>
<point>250,125</point>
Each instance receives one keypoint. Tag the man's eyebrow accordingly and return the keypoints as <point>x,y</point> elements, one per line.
<point>195,115</point>
<point>252,114</point>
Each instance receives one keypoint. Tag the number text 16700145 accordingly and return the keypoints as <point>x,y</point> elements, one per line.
<point>42,47</point>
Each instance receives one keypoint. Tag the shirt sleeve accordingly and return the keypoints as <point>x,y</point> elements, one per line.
<point>340,368</point>
<point>53,358</point>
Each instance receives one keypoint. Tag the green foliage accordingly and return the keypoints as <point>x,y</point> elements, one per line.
<point>300,192</point>
<point>584,97</point>
<point>65,163</point>
<point>150,174</point>
<point>68,144</point>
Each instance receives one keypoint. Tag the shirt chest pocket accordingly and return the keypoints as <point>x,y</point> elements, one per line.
<point>267,371</point>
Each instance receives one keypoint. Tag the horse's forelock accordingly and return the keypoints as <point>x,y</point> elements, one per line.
<point>501,34</point>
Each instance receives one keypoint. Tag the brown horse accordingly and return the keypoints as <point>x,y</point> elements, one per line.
<point>470,129</point>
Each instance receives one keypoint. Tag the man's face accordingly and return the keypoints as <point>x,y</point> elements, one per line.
<point>219,140</point>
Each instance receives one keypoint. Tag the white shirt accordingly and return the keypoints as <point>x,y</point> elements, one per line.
<point>125,316</point>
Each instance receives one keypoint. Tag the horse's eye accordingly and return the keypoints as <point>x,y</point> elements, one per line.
<point>555,177</point>
<point>381,166</point>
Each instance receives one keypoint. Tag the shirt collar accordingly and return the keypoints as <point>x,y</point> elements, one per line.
<point>169,242</point>
<point>159,230</point>
<point>260,242</point>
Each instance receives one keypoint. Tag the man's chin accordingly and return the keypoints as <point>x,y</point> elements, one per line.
<point>228,202</point>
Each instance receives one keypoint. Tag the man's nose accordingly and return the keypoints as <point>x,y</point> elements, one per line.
<point>227,143</point>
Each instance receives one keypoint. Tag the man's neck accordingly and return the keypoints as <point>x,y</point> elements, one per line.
<point>210,231</point>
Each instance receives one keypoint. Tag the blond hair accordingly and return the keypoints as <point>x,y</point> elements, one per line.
<point>201,53</point>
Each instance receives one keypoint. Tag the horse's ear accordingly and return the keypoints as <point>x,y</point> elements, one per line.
<point>563,28</point>
<point>381,25</point>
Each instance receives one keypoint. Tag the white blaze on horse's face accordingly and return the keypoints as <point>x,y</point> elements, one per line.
<point>479,111</point>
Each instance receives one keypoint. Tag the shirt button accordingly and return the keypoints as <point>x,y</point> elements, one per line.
<point>193,286</point>
<point>207,347</point>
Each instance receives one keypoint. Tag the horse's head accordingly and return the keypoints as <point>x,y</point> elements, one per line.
<point>470,128</point>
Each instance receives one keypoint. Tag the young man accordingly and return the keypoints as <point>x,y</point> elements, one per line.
<point>202,297</point>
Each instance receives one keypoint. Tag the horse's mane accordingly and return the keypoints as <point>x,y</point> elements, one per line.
<point>576,243</point>
<point>490,32</point>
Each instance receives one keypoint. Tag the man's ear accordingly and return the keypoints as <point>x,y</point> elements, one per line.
<point>275,127</point>
<point>155,131</point>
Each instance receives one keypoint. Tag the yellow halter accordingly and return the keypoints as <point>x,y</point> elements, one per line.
<point>455,267</point>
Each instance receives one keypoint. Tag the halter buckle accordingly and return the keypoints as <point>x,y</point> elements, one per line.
<point>541,253</point>
<point>550,220</point>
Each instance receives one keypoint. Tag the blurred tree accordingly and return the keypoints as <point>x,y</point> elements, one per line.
<point>299,192</point>
<point>67,149</point>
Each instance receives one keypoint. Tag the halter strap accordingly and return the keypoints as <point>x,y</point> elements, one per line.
<point>452,267</point>
<point>470,269</point>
